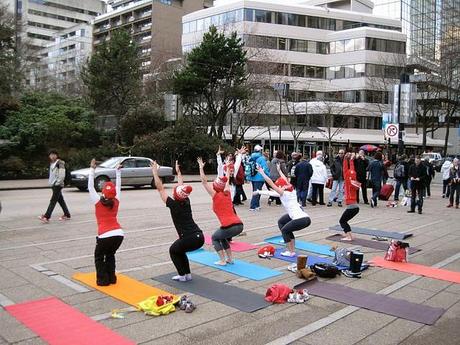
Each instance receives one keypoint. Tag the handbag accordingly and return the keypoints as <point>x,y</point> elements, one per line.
<point>355,184</point>
<point>329,182</point>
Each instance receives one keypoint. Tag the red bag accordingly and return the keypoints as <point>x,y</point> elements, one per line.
<point>386,191</point>
<point>329,182</point>
<point>397,251</point>
<point>278,293</point>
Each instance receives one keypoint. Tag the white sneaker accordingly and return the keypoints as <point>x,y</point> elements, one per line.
<point>179,278</point>
<point>292,267</point>
<point>288,253</point>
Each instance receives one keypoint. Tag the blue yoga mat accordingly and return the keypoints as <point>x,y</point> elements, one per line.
<point>239,268</point>
<point>304,245</point>
<point>311,260</point>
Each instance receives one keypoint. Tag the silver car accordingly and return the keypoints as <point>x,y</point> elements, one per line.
<point>135,172</point>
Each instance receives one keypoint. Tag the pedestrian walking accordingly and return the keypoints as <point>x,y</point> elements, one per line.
<point>295,219</point>
<point>376,174</point>
<point>295,159</point>
<point>109,232</point>
<point>257,180</point>
<point>190,235</point>
<point>400,174</point>
<point>361,164</point>
<point>318,178</point>
<point>417,175</point>
<point>337,176</point>
<point>352,186</point>
<point>56,181</point>
<point>230,224</point>
<point>303,172</point>
<point>454,184</point>
<point>445,172</point>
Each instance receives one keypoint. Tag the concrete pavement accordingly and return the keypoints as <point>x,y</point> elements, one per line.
<point>29,249</point>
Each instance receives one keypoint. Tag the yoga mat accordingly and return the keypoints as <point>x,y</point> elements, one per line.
<point>232,296</point>
<point>373,232</point>
<point>235,246</point>
<point>126,289</point>
<point>303,245</point>
<point>373,301</point>
<point>311,260</point>
<point>60,324</point>
<point>239,268</point>
<point>421,270</point>
<point>367,243</point>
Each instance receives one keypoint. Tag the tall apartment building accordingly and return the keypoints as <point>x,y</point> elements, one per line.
<point>155,24</point>
<point>333,54</point>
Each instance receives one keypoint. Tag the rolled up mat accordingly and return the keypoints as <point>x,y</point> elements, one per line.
<point>126,289</point>
<point>232,296</point>
<point>373,301</point>
<point>303,245</point>
<point>60,324</point>
<point>312,259</point>
<point>235,246</point>
<point>420,270</point>
<point>373,232</point>
<point>367,243</point>
<point>239,267</point>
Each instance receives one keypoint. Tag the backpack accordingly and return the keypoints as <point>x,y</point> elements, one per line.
<point>251,168</point>
<point>397,251</point>
<point>342,257</point>
<point>399,171</point>
<point>325,270</point>
<point>239,178</point>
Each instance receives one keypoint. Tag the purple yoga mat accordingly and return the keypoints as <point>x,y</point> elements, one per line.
<point>367,243</point>
<point>373,301</point>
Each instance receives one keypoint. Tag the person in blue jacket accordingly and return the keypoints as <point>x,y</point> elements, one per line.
<point>376,173</point>
<point>257,180</point>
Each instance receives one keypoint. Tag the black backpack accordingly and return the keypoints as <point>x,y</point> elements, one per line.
<point>325,270</point>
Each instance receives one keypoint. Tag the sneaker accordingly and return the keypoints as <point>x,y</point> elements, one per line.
<point>254,209</point>
<point>182,302</point>
<point>64,217</point>
<point>292,267</point>
<point>456,206</point>
<point>449,206</point>
<point>410,211</point>
<point>339,204</point>
<point>329,204</point>
<point>179,278</point>
<point>43,219</point>
<point>443,196</point>
<point>189,307</point>
<point>288,254</point>
<point>292,298</point>
<point>419,211</point>
<point>372,203</point>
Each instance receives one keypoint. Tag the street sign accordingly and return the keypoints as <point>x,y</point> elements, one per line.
<point>391,131</point>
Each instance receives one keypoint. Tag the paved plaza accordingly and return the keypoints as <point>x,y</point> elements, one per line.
<point>39,260</point>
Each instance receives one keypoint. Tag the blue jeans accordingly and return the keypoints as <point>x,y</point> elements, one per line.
<point>376,187</point>
<point>337,190</point>
<point>400,182</point>
<point>255,200</point>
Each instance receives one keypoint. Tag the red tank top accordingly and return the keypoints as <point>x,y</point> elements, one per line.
<point>223,208</point>
<point>107,217</point>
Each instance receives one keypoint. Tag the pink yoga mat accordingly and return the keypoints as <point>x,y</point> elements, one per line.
<point>235,246</point>
<point>60,324</point>
<point>421,270</point>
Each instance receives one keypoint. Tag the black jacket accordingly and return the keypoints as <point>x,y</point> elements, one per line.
<point>337,169</point>
<point>361,165</point>
<point>303,172</point>
<point>418,171</point>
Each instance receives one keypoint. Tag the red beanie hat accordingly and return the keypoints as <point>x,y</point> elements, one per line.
<point>219,183</point>
<point>109,191</point>
<point>181,192</point>
<point>282,183</point>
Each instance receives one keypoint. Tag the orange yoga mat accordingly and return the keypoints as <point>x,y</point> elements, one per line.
<point>126,289</point>
<point>421,270</point>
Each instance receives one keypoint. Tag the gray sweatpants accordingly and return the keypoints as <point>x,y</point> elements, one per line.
<point>221,236</point>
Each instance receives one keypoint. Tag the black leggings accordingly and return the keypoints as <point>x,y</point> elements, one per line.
<point>104,259</point>
<point>454,189</point>
<point>346,217</point>
<point>288,226</point>
<point>180,247</point>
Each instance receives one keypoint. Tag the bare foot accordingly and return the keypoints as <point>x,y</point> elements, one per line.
<point>346,239</point>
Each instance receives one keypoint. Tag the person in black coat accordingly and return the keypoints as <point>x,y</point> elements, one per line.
<point>303,173</point>
<point>361,164</point>
<point>430,175</point>
<point>418,176</point>
<point>337,183</point>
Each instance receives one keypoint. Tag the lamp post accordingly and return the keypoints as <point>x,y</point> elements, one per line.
<point>404,79</point>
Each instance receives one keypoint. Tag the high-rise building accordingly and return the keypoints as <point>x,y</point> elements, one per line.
<point>156,25</point>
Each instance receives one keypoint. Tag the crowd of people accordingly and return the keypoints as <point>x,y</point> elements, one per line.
<point>290,183</point>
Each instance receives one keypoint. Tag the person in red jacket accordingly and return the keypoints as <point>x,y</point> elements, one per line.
<point>222,205</point>
<point>351,185</point>
<point>109,232</point>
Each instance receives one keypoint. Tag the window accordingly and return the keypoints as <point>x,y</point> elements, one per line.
<point>371,43</point>
<point>142,163</point>
<point>339,47</point>
<point>129,163</point>
<point>297,70</point>
<point>200,25</point>
<point>193,26</point>
<point>349,45</point>
<point>323,48</point>
<point>340,72</point>
<point>281,43</point>
<point>298,45</point>
<point>360,70</point>
<point>360,43</point>
<point>310,72</point>
<point>330,72</point>
<point>248,15</point>
<point>349,96</point>
<point>332,47</point>
<point>349,71</point>
<point>313,22</point>
<point>263,16</point>
<point>312,47</point>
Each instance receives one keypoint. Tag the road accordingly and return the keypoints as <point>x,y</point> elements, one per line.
<point>28,248</point>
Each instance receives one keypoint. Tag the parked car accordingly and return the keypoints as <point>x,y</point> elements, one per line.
<point>434,159</point>
<point>135,172</point>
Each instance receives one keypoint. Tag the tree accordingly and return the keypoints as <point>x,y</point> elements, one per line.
<point>113,76</point>
<point>141,121</point>
<point>212,83</point>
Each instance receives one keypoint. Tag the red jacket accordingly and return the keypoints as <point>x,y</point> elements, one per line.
<point>223,208</point>
<point>278,293</point>
<point>349,174</point>
<point>107,217</point>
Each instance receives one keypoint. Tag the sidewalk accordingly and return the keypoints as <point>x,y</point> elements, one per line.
<point>43,183</point>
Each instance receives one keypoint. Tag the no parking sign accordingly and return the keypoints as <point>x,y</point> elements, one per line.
<point>391,131</point>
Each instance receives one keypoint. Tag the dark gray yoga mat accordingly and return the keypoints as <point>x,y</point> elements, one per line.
<point>373,232</point>
<point>367,243</point>
<point>232,296</point>
<point>373,301</point>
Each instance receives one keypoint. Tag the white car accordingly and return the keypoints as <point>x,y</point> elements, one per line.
<point>434,158</point>
<point>135,172</point>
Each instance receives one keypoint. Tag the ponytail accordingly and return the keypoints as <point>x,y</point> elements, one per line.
<point>107,202</point>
